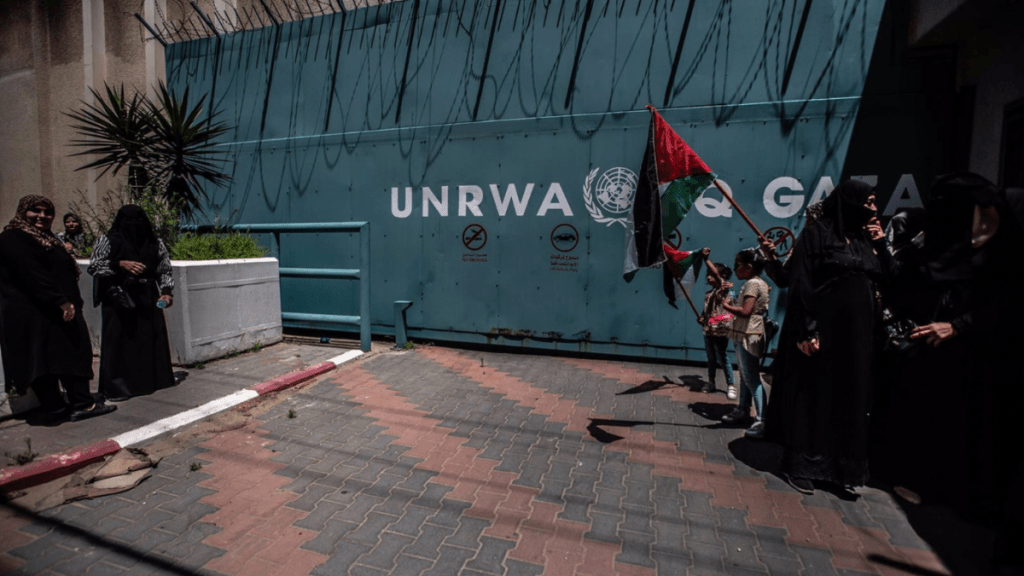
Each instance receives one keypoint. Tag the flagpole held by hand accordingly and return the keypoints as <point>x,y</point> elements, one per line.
<point>729,197</point>
<point>687,294</point>
<point>712,269</point>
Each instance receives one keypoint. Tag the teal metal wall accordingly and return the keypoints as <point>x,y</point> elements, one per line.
<point>422,116</point>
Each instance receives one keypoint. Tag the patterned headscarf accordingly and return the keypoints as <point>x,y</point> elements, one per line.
<point>20,221</point>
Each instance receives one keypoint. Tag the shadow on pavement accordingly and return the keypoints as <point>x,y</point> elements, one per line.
<point>597,431</point>
<point>964,547</point>
<point>714,411</point>
<point>144,558</point>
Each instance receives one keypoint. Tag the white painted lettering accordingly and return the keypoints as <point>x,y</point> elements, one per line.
<point>905,187</point>
<point>440,205</point>
<point>870,180</point>
<point>555,200</point>
<point>395,210</point>
<point>511,194</point>
<point>823,189</point>
<point>710,207</point>
<point>787,205</point>
<point>465,192</point>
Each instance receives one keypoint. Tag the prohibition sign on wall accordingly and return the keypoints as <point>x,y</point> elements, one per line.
<point>783,239</point>
<point>565,238</point>
<point>474,237</point>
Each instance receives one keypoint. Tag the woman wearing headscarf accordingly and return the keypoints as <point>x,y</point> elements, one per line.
<point>45,339</point>
<point>73,235</point>
<point>821,388</point>
<point>133,283</point>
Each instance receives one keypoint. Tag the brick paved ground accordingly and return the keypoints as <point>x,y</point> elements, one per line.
<point>216,379</point>
<point>441,462</point>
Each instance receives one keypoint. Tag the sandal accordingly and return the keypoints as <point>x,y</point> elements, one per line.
<point>801,485</point>
<point>96,409</point>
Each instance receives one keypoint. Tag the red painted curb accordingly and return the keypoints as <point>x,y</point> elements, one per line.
<point>55,466</point>
<point>293,378</point>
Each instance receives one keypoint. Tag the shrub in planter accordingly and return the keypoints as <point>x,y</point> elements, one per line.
<point>217,246</point>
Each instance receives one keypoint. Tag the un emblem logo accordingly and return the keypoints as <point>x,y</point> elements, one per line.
<point>615,190</point>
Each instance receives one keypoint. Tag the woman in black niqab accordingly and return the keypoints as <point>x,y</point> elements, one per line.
<point>135,358</point>
<point>822,384</point>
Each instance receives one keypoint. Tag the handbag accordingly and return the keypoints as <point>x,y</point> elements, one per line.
<point>120,298</point>
<point>897,333</point>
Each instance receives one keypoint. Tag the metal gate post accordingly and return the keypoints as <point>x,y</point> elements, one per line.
<point>364,287</point>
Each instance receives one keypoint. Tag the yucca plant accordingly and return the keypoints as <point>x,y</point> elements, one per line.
<point>166,145</point>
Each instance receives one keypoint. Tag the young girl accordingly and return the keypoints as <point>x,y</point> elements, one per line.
<point>748,337</point>
<point>717,322</point>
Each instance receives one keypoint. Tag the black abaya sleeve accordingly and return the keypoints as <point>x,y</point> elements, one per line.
<point>801,281</point>
<point>30,269</point>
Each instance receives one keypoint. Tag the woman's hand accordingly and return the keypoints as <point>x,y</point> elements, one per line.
<point>133,268</point>
<point>809,347</point>
<point>168,299</point>
<point>69,247</point>
<point>768,249</point>
<point>69,311</point>
<point>935,333</point>
<point>874,228</point>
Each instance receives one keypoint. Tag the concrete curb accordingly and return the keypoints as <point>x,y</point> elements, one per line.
<point>65,463</point>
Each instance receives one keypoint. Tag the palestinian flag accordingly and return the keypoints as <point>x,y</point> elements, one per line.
<point>671,179</point>
<point>681,265</point>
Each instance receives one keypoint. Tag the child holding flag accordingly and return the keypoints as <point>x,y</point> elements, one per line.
<point>748,337</point>
<point>717,323</point>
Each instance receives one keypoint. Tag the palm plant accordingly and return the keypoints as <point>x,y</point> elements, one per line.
<point>166,145</point>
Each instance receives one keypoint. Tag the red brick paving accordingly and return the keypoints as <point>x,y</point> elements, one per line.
<point>257,526</point>
<point>540,537</point>
<point>805,526</point>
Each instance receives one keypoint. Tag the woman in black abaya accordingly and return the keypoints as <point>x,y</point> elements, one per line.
<point>818,410</point>
<point>45,339</point>
<point>132,271</point>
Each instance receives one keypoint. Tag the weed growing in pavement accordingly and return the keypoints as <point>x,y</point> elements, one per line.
<point>409,345</point>
<point>24,457</point>
<point>291,413</point>
<point>195,467</point>
<point>199,366</point>
<point>256,347</point>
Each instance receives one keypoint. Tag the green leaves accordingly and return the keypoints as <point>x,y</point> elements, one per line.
<point>167,144</point>
<point>217,246</point>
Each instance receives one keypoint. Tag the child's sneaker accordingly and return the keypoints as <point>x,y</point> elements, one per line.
<point>756,431</point>
<point>731,394</point>
<point>738,414</point>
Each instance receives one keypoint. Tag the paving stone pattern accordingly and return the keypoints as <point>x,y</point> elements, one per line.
<point>441,462</point>
<point>215,380</point>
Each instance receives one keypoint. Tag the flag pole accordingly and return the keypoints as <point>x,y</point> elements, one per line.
<point>712,269</point>
<point>729,197</point>
<point>687,294</point>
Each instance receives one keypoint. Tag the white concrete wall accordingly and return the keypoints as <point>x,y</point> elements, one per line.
<point>220,307</point>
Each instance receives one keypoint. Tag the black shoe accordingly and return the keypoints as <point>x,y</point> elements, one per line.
<point>95,410</point>
<point>708,388</point>
<point>48,418</point>
<point>117,398</point>
<point>801,485</point>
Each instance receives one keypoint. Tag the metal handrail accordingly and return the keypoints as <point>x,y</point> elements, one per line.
<point>362,273</point>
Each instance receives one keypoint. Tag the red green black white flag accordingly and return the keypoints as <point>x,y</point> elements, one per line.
<point>671,179</point>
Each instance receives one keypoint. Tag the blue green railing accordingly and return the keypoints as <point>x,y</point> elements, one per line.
<point>362,273</point>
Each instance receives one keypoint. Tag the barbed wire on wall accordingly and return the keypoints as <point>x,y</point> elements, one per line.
<point>199,23</point>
